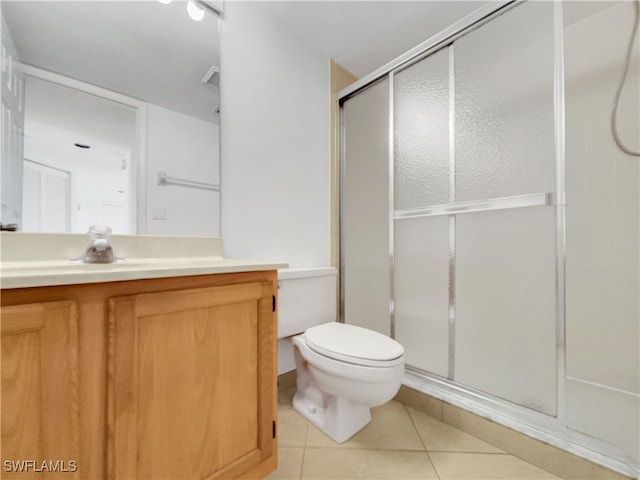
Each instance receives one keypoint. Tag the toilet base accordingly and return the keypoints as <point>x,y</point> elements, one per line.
<point>340,419</point>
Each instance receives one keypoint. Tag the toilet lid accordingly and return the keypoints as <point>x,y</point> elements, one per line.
<point>354,345</point>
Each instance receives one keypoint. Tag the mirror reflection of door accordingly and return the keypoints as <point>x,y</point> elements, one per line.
<point>11,132</point>
<point>45,198</point>
<point>94,138</point>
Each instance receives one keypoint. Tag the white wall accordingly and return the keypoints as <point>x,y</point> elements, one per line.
<point>274,142</point>
<point>603,233</point>
<point>186,148</point>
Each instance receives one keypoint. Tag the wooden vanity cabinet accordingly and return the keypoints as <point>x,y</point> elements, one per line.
<point>40,402</point>
<point>147,379</point>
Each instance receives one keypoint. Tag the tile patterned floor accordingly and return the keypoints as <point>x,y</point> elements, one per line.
<point>399,443</point>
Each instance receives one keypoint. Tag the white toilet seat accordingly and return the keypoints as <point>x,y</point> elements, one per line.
<point>354,345</point>
<point>351,371</point>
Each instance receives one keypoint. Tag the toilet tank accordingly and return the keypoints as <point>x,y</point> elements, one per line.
<point>306,297</point>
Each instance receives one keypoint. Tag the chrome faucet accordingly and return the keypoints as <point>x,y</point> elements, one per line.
<point>100,249</point>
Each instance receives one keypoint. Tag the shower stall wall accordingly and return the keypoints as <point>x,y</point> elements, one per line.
<point>453,224</point>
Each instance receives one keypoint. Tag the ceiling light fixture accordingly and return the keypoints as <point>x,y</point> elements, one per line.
<point>195,11</point>
<point>197,8</point>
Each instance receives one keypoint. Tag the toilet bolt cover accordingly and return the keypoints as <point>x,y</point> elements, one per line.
<point>352,341</point>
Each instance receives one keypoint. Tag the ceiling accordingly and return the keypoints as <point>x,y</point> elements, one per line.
<point>365,35</point>
<point>156,53</point>
<point>57,118</point>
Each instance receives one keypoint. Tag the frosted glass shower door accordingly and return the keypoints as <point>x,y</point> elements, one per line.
<point>456,243</point>
<point>505,311</point>
<point>504,106</point>
<point>422,292</point>
<point>422,156</point>
<point>505,305</point>
<point>422,176</point>
<point>365,209</point>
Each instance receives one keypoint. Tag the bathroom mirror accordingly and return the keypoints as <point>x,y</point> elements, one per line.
<point>111,115</point>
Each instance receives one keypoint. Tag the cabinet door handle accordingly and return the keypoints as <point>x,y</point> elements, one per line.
<point>273,303</point>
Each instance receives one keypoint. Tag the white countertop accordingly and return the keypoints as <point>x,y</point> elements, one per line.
<point>172,257</point>
<point>40,274</point>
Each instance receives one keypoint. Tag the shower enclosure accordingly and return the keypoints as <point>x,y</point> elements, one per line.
<point>475,170</point>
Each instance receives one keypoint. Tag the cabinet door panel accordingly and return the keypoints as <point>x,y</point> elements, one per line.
<point>40,417</point>
<point>191,391</point>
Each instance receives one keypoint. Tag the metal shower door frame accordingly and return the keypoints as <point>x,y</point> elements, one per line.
<point>446,39</point>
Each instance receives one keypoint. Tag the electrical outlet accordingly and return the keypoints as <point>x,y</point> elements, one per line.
<point>159,213</point>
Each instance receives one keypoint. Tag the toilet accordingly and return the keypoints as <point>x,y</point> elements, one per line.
<point>343,370</point>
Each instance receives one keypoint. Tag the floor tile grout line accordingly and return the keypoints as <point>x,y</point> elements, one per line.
<point>304,449</point>
<point>405,450</point>
<point>474,453</point>
<point>502,451</point>
<point>304,452</point>
<point>433,465</point>
<point>505,454</point>
<point>375,449</point>
<point>534,464</point>
<point>424,448</point>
